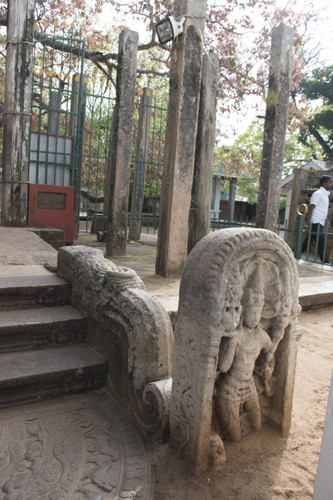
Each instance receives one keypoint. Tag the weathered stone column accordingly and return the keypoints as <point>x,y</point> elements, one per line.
<point>299,183</point>
<point>232,198</point>
<point>217,196</point>
<point>78,114</point>
<point>199,218</point>
<point>140,165</point>
<point>275,127</point>
<point>181,131</point>
<point>54,112</point>
<point>121,145</point>
<point>17,112</point>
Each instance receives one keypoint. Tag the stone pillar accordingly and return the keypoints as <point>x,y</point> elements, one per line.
<point>78,114</point>
<point>232,198</point>
<point>54,112</point>
<point>140,165</point>
<point>180,139</point>
<point>199,218</point>
<point>275,127</point>
<point>121,145</point>
<point>17,112</point>
<point>217,196</point>
<point>299,183</point>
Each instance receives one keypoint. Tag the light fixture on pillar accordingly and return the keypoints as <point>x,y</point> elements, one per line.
<point>168,29</point>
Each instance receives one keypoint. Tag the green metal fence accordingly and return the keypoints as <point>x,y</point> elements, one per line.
<point>70,136</point>
<point>71,125</point>
<point>153,164</point>
<point>314,239</point>
<point>294,236</point>
<point>57,122</point>
<point>216,223</point>
<point>100,103</point>
<point>58,79</point>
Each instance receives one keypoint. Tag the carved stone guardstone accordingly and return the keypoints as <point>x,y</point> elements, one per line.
<point>235,342</point>
<point>129,328</point>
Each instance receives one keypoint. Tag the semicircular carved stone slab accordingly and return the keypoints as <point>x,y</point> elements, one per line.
<point>81,448</point>
<point>235,342</point>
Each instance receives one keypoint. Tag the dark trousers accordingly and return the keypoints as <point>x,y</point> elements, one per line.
<point>313,237</point>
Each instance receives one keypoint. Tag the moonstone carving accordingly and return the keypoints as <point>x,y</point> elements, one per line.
<point>235,342</point>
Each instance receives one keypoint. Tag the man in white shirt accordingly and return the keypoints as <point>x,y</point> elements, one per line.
<point>317,215</point>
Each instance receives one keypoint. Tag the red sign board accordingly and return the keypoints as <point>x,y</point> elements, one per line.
<point>52,207</point>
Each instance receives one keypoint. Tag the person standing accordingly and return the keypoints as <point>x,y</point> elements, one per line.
<point>317,215</point>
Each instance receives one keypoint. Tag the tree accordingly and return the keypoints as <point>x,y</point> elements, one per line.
<point>243,158</point>
<point>243,49</point>
<point>318,125</point>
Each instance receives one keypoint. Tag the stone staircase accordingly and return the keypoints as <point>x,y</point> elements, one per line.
<point>43,349</point>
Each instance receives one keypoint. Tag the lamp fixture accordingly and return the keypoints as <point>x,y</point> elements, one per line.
<point>168,29</point>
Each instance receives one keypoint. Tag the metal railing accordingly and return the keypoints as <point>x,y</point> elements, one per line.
<point>313,245</point>
<point>294,236</point>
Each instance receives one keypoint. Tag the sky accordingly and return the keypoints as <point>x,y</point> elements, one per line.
<point>321,33</point>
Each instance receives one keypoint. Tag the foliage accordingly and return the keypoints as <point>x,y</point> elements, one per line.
<point>231,32</point>
<point>317,129</point>
<point>238,32</point>
<point>99,107</point>
<point>243,159</point>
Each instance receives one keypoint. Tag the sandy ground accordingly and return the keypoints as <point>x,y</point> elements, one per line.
<point>263,465</point>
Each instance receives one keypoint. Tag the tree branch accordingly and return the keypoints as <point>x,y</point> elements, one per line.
<point>328,151</point>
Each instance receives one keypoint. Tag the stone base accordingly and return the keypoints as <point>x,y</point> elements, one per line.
<point>79,447</point>
<point>54,237</point>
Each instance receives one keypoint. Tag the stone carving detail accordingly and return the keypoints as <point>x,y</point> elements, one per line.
<point>157,398</point>
<point>130,328</point>
<point>235,342</point>
<point>83,449</point>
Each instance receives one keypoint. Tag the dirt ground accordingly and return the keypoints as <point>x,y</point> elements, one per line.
<point>263,466</point>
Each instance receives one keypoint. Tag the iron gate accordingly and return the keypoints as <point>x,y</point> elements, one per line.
<point>70,130</point>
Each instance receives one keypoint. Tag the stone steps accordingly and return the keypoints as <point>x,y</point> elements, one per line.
<point>31,376</point>
<point>43,350</point>
<point>28,291</point>
<point>41,327</point>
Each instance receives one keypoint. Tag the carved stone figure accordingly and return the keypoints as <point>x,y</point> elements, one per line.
<point>236,392</point>
<point>235,342</point>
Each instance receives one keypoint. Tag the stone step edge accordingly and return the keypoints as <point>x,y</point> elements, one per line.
<point>50,360</point>
<point>86,373</point>
<point>39,316</point>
